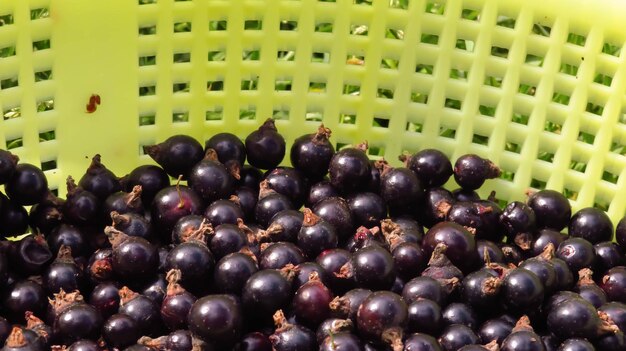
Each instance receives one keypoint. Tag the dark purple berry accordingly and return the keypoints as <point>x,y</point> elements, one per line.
<point>521,290</point>
<point>142,309</point>
<point>265,146</point>
<point>380,313</point>
<point>316,235</point>
<point>608,255</point>
<point>8,163</point>
<point>120,331</point>
<point>177,154</point>
<point>552,209</point>
<point>335,210</point>
<point>591,224</point>
<point>211,179</point>
<point>124,202</point>
<point>228,147</point>
<point>614,284</point>
<point>99,180</point>
<point>578,253</point>
<point>291,337</point>
<point>105,298</point>
<point>311,153</point>
<point>133,257</point>
<point>177,303</point>
<point>27,186</point>
<point>425,317</point>
<point>171,204</point>
<point>151,178</point>
<point>431,166</point>
<point>320,191</point>
<point>460,243</point>
<point>471,171</point>
<point>349,170</point>
<point>456,336</point>
<point>400,188</point>
<point>280,254</point>
<point>232,272</point>
<point>311,302</point>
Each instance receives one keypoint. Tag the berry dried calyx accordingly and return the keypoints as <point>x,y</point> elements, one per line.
<point>63,300</point>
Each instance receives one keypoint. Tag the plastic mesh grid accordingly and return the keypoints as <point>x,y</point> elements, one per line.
<point>538,88</point>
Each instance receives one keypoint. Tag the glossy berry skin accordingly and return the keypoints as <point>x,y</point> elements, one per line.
<point>517,217</point>
<point>578,253</point>
<point>331,262</point>
<point>617,312</point>
<point>293,338</point>
<point>171,204</point>
<point>254,341</point>
<point>265,292</point>
<point>63,275</point>
<point>175,308</point>
<point>41,217</point>
<point>432,167</point>
<point>320,191</point>
<point>341,342</point>
<point>379,312</point>
<point>23,296</point>
<point>576,344</point>
<point>425,317</point>
<point>211,180</point>
<point>591,224</point>
<point>99,180</point>
<point>608,255</point>
<point>482,216</point>
<point>409,260</point>
<point>367,209</point>
<point>133,224</point>
<point>27,186</point>
<point>620,233</point>
<point>456,336</point>
<point>250,177</point>
<point>79,321</point>
<point>316,238</point>
<point>151,178</point>
<point>495,253</point>
<point>123,202</point>
<point>84,345</point>
<point>247,201</point>
<point>223,212</point>
<point>228,148</point>
<point>8,163</point>
<point>481,288</point>
<point>373,268</point>
<point>544,270</point>
<point>194,260</point>
<point>30,255</point>
<point>217,318</point>
<point>552,209</point>
<point>461,245</point>
<point>268,206</point>
<point>105,298</point>
<point>68,235</point>
<point>120,331</point>
<point>290,222</point>
<point>135,258</point>
<point>81,207</point>
<point>303,272</point>
<point>423,287</point>
<point>437,203</point>
<point>495,329</point>
<point>471,171</point>
<point>521,291</point>
<point>522,341</point>
<point>544,237</point>
<point>400,188</point>
<point>585,324</point>
<point>349,170</point>
<point>614,284</point>
<point>421,342</point>
<point>311,303</point>
<point>177,154</point>
<point>335,210</point>
<point>265,146</point>
<point>13,216</point>
<point>278,255</point>
<point>145,312</point>
<point>460,313</point>
<point>232,272</point>
<point>289,182</point>
<point>311,153</point>
<point>228,238</point>
<point>155,288</point>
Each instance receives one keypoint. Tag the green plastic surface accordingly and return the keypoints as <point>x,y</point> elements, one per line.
<point>537,86</point>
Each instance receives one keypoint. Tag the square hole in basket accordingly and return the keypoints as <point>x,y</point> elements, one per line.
<point>43,75</point>
<point>552,127</point>
<point>148,30</point>
<point>576,39</point>
<point>39,13</point>
<point>610,177</point>
<point>603,79</point>
<point>453,104</point>
<point>480,139</point>
<point>147,90</point>
<point>389,63</point>
<point>180,87</point>
<point>430,39</point>
<point>180,117</point>
<point>487,110</point>
<point>380,122</point>
<point>285,55</point>
<point>359,29</point>
<point>8,83</point>
<point>470,14</point>
<point>281,114</point>
<point>465,45</point>
<point>322,57</point>
<point>49,165</point>
<point>247,113</point>
<point>413,127</point>
<point>595,109</point>
<point>6,20</point>
<point>458,74</point>
<point>251,55</point>
<point>376,150</point>
<point>397,34</point>
<point>146,2</point>
<point>419,98</point>
<point>542,30</point>
<point>41,45</point>
<point>569,69</point>
<point>249,84</point>
<point>218,25</point>
<point>362,2</point>
<point>47,136</point>
<point>12,112</point>
<point>45,105</point>
<point>425,69</point>
<point>14,143</point>
<point>578,166</point>
<point>252,25</point>
<point>587,138</point>
<point>182,57</point>
<point>314,116</point>
<point>182,27</point>
<point>399,4</point>
<point>214,115</point>
<point>534,60</point>
<point>349,89</point>
<point>447,133</point>
<point>288,25</point>
<point>355,60</point>
<point>218,55</point>
<point>435,7</point>
<point>493,81</point>
<point>215,85</point>
<point>560,98</point>
<point>282,84</point>
<point>512,147</point>
<point>147,60</point>
<point>317,87</point>
<point>570,193</point>
<point>537,184</point>
<point>384,93</point>
<point>499,52</point>
<point>520,118</point>
<point>147,120</point>
<point>505,21</point>
<point>545,156</point>
<point>610,49</point>
<point>509,177</point>
<point>7,51</point>
<point>324,27</point>
<point>347,118</point>
<point>527,89</point>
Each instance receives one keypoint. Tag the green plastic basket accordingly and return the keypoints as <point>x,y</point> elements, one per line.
<point>537,86</point>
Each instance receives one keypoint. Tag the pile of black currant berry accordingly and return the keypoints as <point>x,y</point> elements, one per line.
<point>220,248</point>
